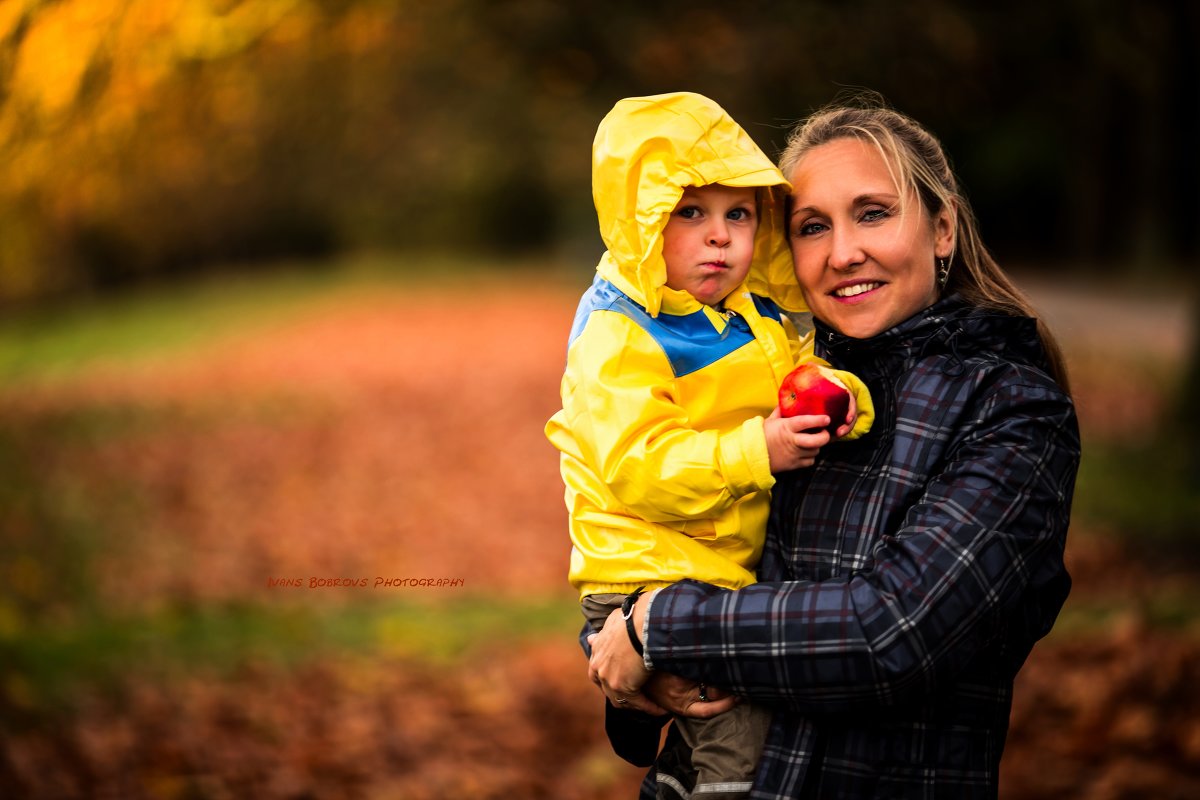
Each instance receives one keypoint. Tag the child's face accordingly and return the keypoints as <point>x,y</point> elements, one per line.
<point>709,241</point>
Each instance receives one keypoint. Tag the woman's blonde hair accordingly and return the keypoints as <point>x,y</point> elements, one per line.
<point>918,163</point>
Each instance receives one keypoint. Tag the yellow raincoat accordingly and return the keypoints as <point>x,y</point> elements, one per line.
<point>661,431</point>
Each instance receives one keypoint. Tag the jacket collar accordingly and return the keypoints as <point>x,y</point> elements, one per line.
<point>950,326</point>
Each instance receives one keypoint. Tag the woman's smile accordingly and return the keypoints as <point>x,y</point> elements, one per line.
<point>857,290</point>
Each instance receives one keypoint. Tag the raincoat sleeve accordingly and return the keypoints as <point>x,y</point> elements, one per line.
<point>620,405</point>
<point>862,395</point>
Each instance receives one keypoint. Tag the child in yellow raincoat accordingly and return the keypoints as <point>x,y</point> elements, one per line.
<point>667,434</point>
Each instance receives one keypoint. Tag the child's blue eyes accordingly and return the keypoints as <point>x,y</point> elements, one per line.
<point>734,215</point>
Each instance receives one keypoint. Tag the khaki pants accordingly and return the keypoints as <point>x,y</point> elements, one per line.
<point>724,750</point>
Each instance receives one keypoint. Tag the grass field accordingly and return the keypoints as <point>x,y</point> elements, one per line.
<point>185,472</point>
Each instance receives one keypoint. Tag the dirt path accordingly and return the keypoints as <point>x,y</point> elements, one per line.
<point>1125,321</point>
<point>399,433</point>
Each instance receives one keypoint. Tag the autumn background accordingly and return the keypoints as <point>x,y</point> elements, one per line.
<point>284,293</point>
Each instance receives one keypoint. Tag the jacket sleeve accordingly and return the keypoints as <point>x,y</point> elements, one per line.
<point>619,403</point>
<point>979,552</point>
<point>862,395</point>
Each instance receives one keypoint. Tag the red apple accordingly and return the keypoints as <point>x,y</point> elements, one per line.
<point>807,391</point>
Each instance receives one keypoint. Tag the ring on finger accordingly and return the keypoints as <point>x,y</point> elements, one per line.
<point>622,701</point>
<point>703,693</point>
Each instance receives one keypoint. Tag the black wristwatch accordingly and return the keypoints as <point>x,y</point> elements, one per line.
<point>627,615</point>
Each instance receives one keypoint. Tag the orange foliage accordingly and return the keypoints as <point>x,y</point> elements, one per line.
<point>390,434</point>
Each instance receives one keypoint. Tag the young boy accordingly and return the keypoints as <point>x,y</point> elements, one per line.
<point>676,354</point>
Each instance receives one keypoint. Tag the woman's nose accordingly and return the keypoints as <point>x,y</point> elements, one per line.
<point>846,251</point>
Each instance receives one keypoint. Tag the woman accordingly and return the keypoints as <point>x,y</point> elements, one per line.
<point>906,575</point>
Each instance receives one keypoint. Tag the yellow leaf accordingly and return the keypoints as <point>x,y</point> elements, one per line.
<point>62,41</point>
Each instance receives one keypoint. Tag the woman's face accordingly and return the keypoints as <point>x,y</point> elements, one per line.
<point>864,255</point>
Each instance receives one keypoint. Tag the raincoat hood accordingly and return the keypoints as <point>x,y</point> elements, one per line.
<point>647,149</point>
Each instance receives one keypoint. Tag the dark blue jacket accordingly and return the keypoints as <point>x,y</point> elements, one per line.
<point>906,575</point>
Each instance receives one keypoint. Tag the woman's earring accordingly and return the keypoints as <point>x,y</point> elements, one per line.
<point>943,272</point>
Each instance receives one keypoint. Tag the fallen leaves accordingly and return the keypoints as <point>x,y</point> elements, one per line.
<point>341,446</point>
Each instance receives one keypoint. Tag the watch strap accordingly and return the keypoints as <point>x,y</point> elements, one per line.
<point>627,615</point>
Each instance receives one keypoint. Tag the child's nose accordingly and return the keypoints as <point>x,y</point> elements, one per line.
<point>718,234</point>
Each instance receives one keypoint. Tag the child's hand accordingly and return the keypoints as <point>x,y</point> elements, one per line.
<point>860,411</point>
<point>793,442</point>
<point>852,412</point>
<point>851,417</point>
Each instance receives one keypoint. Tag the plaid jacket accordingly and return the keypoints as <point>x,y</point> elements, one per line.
<point>907,575</point>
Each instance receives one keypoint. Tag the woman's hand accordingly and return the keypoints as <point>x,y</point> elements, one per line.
<point>622,675</point>
<point>687,698</point>
<point>617,668</point>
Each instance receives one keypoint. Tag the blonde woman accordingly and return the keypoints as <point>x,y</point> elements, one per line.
<point>907,575</point>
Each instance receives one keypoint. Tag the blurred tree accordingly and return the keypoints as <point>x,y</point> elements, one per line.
<point>143,137</point>
<point>129,121</point>
<point>1178,207</point>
